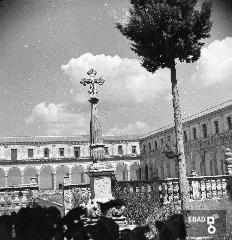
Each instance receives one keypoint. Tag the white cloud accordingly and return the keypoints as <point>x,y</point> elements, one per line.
<point>57,120</point>
<point>126,80</point>
<point>215,64</point>
<point>131,129</point>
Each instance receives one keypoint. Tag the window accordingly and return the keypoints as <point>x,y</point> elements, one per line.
<point>106,150</point>
<point>134,150</point>
<point>61,152</point>
<point>149,147</point>
<point>77,152</point>
<point>185,136</point>
<point>204,129</point>
<point>169,138</point>
<point>162,141</point>
<point>229,123</point>
<point>216,126</point>
<point>194,133</point>
<point>156,145</point>
<point>46,152</point>
<point>30,153</point>
<point>13,154</point>
<point>144,148</point>
<point>120,150</point>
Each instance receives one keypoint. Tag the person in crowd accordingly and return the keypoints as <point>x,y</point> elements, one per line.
<point>73,224</point>
<point>106,228</point>
<point>172,229</point>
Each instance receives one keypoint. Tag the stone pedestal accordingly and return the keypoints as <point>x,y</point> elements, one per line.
<point>100,182</point>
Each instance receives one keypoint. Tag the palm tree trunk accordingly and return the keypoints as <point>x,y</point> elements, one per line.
<point>183,182</point>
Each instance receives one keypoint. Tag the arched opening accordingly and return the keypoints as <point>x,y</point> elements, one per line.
<point>61,172</point>
<point>150,170</point>
<point>140,173</point>
<point>28,174</point>
<point>14,177</point>
<point>2,178</point>
<point>134,172</point>
<point>161,172</point>
<point>220,162</point>
<point>46,178</point>
<point>192,164</point>
<point>77,175</point>
<point>168,170</point>
<point>146,172</point>
<point>121,172</point>
<point>197,161</point>
<point>202,164</point>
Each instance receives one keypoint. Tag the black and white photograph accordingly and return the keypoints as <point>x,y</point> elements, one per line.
<point>116,119</point>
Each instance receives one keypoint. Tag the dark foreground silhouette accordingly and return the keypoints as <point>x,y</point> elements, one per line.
<point>37,223</point>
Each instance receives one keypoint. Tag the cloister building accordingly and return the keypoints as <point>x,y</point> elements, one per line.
<point>49,159</point>
<point>206,136</point>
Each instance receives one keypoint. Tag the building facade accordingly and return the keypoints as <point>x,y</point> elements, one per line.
<point>49,159</point>
<point>206,136</point>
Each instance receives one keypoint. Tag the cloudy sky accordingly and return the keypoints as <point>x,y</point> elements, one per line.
<point>47,46</point>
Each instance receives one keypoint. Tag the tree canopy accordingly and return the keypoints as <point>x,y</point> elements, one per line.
<point>163,31</point>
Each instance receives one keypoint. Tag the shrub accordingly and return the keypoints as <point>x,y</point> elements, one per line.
<point>142,209</point>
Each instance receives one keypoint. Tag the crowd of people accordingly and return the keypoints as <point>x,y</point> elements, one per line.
<point>40,223</point>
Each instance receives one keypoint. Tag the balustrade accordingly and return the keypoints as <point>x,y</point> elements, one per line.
<point>204,187</point>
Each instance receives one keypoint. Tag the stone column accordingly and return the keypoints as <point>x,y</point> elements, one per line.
<point>22,178</point>
<point>38,179</point>
<point>128,173</point>
<point>99,172</point>
<point>97,152</point>
<point>54,181</point>
<point>6,180</point>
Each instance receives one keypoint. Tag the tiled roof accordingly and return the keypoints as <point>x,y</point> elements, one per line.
<point>78,138</point>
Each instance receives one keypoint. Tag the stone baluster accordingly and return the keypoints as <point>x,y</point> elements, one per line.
<point>203,189</point>
<point>170,191</point>
<point>213,184</point>
<point>228,163</point>
<point>224,187</point>
<point>219,188</point>
<point>208,188</point>
<point>175,191</point>
<point>195,186</point>
<point>165,192</point>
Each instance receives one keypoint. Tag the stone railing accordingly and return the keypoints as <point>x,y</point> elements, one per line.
<point>136,186</point>
<point>204,187</point>
<point>14,198</point>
